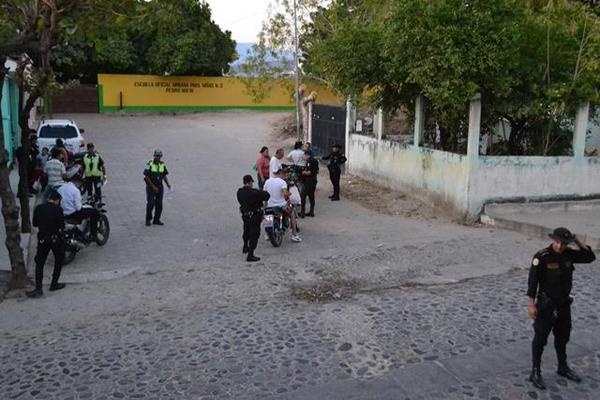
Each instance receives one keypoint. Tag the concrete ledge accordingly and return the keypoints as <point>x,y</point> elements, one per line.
<point>540,219</point>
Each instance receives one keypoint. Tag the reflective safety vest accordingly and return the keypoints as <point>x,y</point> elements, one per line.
<point>91,168</point>
<point>156,168</point>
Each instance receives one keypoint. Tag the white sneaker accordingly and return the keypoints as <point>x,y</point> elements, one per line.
<point>266,237</point>
<point>296,238</point>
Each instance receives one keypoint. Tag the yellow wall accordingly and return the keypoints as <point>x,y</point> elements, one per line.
<point>180,93</point>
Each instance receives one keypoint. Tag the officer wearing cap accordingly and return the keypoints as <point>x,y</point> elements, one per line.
<point>48,218</point>
<point>251,202</point>
<point>549,286</point>
<point>154,175</point>
<point>93,173</point>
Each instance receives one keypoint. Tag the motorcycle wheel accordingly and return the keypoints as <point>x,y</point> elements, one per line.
<point>69,256</point>
<point>103,230</point>
<point>275,236</point>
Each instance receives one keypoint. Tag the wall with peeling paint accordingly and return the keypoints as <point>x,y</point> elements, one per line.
<point>437,177</point>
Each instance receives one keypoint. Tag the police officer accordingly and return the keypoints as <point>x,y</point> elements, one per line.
<point>154,175</point>
<point>251,202</point>
<point>336,159</point>
<point>48,217</point>
<point>550,282</point>
<point>309,184</point>
<point>93,173</point>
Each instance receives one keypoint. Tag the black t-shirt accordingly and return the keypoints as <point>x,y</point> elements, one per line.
<point>312,165</point>
<point>251,199</point>
<point>552,273</point>
<point>49,219</point>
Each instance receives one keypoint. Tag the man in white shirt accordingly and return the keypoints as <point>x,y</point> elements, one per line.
<point>55,171</point>
<point>276,164</point>
<point>279,195</point>
<point>73,207</point>
<point>297,155</point>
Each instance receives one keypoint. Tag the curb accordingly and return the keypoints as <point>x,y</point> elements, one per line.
<point>534,230</point>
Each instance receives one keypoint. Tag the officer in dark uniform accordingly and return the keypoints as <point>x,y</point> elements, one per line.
<point>251,202</point>
<point>309,183</point>
<point>336,159</point>
<point>154,175</point>
<point>550,282</point>
<point>48,217</point>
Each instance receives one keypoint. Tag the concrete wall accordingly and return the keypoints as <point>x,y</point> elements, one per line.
<point>437,177</point>
<point>534,178</point>
<point>463,184</point>
<point>189,93</point>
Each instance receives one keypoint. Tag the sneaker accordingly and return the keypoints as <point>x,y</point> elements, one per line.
<point>158,222</point>
<point>310,214</point>
<point>252,258</point>
<point>266,237</point>
<point>296,238</point>
<point>568,373</point>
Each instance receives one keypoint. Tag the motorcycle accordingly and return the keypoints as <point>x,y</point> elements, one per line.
<point>276,223</point>
<point>77,233</point>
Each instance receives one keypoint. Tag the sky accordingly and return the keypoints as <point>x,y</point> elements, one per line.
<point>242,17</point>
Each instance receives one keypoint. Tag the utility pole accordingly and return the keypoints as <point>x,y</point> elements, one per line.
<point>297,70</point>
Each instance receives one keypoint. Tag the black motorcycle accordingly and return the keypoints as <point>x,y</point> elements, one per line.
<point>77,233</point>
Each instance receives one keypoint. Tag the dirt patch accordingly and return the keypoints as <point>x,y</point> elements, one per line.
<point>285,127</point>
<point>326,291</point>
<point>387,201</point>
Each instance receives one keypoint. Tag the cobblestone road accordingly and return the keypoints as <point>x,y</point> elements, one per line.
<point>175,313</point>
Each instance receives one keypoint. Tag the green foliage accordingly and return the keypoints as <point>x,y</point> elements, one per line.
<point>534,62</point>
<point>163,37</point>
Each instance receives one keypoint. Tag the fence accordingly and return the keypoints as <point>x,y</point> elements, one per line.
<point>464,183</point>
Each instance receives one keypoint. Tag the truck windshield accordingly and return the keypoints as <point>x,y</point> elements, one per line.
<point>58,131</point>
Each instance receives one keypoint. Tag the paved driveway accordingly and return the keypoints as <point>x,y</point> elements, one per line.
<point>174,312</point>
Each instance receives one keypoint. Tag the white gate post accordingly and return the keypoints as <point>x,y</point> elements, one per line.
<point>581,124</point>
<point>419,121</point>
<point>309,122</point>
<point>474,129</point>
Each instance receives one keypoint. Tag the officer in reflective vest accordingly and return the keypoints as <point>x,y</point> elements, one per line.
<point>93,173</point>
<point>154,175</point>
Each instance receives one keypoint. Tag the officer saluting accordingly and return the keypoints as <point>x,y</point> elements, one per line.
<point>251,202</point>
<point>550,282</point>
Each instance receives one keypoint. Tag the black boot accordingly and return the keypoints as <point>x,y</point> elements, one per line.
<point>251,257</point>
<point>34,294</point>
<point>57,286</point>
<point>566,372</point>
<point>536,378</point>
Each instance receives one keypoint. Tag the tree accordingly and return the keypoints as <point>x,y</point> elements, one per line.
<point>534,62</point>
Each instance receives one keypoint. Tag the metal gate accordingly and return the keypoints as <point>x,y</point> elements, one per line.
<point>328,128</point>
<point>80,99</point>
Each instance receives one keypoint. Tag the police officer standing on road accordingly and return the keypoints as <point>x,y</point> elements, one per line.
<point>336,159</point>
<point>93,173</point>
<point>550,283</point>
<point>154,175</point>
<point>309,184</point>
<point>49,219</point>
<point>251,202</point>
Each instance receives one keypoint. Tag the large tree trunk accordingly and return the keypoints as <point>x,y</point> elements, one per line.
<point>10,210</point>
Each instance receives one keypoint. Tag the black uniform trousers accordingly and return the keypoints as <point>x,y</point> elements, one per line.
<point>556,319</point>
<point>93,186</point>
<point>154,201</point>
<point>251,233</point>
<point>57,246</point>
<point>308,190</point>
<point>334,175</point>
